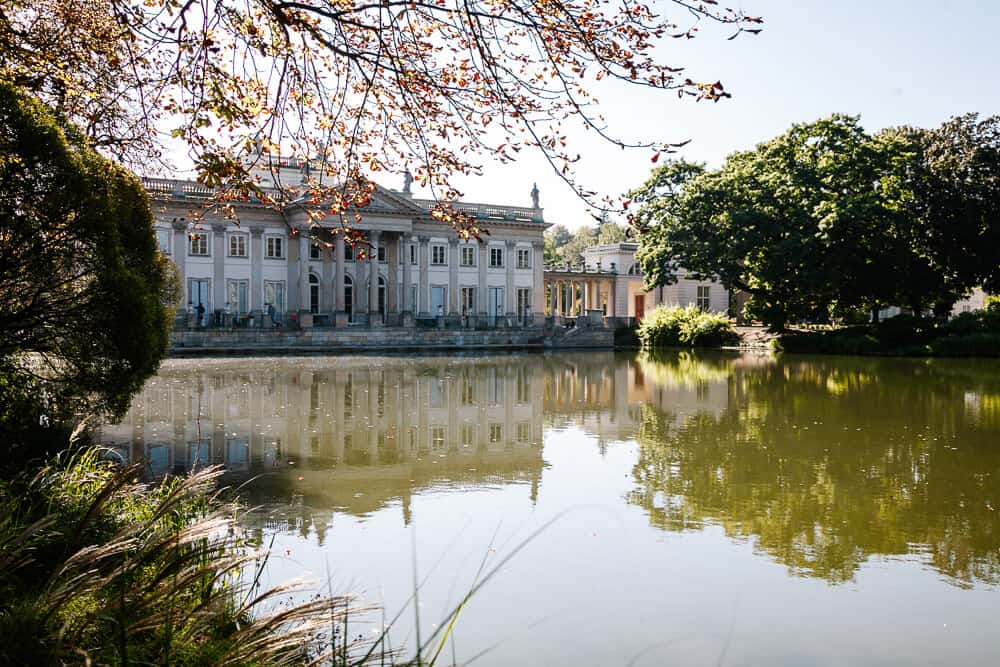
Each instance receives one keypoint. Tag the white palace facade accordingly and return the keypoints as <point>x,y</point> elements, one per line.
<point>266,271</point>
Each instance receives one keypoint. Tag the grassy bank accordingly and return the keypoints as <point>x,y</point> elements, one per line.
<point>97,568</point>
<point>975,334</point>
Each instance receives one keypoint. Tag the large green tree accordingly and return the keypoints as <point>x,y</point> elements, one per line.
<point>950,200</point>
<point>828,219</point>
<point>798,222</point>
<point>84,291</point>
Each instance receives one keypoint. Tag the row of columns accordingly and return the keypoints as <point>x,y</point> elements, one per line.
<point>594,294</point>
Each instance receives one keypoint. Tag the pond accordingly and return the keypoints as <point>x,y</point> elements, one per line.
<point>631,510</point>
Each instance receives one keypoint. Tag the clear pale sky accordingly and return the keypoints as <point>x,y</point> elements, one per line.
<point>892,62</point>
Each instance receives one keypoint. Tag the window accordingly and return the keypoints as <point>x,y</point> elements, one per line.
<point>382,254</point>
<point>315,251</point>
<point>523,303</point>
<point>496,432</point>
<point>438,255</point>
<point>237,245</point>
<point>468,255</point>
<point>413,254</point>
<point>274,295</point>
<point>523,432</point>
<point>237,300</point>
<point>467,392</point>
<point>199,244</point>
<point>704,301</point>
<point>496,258</point>
<point>437,437</point>
<point>163,239</point>
<point>468,304</point>
<point>274,247</point>
<point>468,435</point>
<point>523,258</point>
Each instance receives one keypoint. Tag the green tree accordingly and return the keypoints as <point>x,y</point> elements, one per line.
<point>84,291</point>
<point>800,222</point>
<point>950,201</point>
<point>556,237</point>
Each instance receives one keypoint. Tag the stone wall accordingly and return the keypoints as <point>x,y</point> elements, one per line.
<point>349,340</point>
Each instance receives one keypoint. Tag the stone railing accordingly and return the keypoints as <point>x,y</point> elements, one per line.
<point>581,269</point>
<point>493,211</point>
<point>177,188</point>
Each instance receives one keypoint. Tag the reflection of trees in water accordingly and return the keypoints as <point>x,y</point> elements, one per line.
<point>826,462</point>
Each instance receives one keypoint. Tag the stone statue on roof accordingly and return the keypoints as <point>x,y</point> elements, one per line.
<point>534,196</point>
<point>407,181</point>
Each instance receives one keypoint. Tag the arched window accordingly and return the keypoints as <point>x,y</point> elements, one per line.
<point>349,298</point>
<point>313,293</point>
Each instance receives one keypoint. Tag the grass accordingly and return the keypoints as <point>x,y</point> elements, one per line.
<point>96,568</point>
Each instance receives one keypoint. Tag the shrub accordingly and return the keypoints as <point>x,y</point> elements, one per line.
<point>674,326</point>
<point>981,344</point>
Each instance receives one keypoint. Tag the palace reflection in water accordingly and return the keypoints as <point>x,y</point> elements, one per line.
<point>823,463</point>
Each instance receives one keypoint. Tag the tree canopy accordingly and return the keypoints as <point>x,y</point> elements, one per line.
<point>357,88</point>
<point>827,217</point>
<point>84,292</point>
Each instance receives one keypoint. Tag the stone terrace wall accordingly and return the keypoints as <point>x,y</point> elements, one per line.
<point>353,340</point>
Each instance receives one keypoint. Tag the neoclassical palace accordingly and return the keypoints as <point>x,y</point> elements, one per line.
<point>265,271</point>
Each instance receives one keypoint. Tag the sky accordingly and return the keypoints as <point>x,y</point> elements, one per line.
<point>893,62</point>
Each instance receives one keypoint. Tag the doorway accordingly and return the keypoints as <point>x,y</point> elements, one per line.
<point>640,307</point>
<point>495,305</point>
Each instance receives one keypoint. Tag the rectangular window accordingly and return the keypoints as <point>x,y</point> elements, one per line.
<point>523,432</point>
<point>467,392</point>
<point>238,297</point>
<point>163,239</point>
<point>468,304</point>
<point>382,254</point>
<point>237,245</point>
<point>274,247</point>
<point>468,255</point>
<point>468,435</point>
<point>523,303</point>
<point>315,251</point>
<point>274,295</point>
<point>413,305</point>
<point>199,244</point>
<point>496,258</point>
<point>496,432</point>
<point>438,255</point>
<point>413,254</point>
<point>523,258</point>
<point>704,301</point>
<point>437,437</point>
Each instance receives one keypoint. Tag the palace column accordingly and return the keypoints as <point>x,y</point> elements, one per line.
<point>538,281</point>
<point>374,316</point>
<point>360,285</point>
<point>180,249</point>
<point>572,299</point>
<point>392,281</point>
<point>511,262</point>
<point>327,300</point>
<point>340,314</point>
<point>453,313</point>
<point>424,296</point>
<point>612,300</point>
<point>406,319</point>
<point>219,266</point>
<point>482,292</point>
<point>292,274</point>
<point>256,268</point>
<point>304,243</point>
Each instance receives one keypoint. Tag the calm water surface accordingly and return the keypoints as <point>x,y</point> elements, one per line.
<point>710,509</point>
